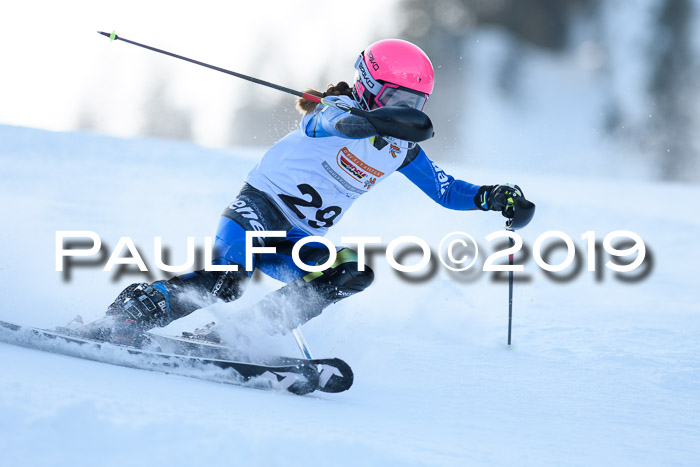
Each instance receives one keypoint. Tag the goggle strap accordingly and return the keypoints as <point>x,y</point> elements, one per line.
<point>370,84</point>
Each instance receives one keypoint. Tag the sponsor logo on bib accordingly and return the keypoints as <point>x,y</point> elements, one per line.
<point>395,150</point>
<point>357,169</point>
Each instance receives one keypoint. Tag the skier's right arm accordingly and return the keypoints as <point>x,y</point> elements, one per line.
<point>328,121</point>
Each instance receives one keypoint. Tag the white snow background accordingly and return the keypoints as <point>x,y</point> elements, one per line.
<point>599,373</point>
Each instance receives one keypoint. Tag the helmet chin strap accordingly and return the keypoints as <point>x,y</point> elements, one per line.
<point>364,105</point>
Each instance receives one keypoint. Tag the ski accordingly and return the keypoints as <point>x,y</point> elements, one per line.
<point>335,375</point>
<point>295,376</point>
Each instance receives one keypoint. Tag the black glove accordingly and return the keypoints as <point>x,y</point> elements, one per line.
<point>497,198</point>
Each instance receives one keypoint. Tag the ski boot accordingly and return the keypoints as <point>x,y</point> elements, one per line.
<point>137,309</point>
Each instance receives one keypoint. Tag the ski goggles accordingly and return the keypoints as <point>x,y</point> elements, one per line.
<point>391,95</point>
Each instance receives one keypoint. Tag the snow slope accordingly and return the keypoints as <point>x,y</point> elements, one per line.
<point>601,372</point>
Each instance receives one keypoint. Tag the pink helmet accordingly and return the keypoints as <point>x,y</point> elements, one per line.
<point>393,72</point>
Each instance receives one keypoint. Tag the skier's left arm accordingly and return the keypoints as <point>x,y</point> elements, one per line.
<point>438,185</point>
<point>453,193</point>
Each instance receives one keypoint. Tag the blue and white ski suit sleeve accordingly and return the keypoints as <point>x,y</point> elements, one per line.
<point>444,189</point>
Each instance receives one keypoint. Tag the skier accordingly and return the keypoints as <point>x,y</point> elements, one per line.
<point>303,185</point>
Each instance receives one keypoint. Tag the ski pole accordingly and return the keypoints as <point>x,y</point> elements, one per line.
<point>401,122</point>
<point>510,284</point>
<point>523,212</point>
<point>301,342</point>
<point>114,37</point>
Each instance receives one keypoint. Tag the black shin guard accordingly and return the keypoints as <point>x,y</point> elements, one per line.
<point>305,298</point>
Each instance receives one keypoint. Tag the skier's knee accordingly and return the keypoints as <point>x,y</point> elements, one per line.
<point>347,275</point>
<point>352,279</point>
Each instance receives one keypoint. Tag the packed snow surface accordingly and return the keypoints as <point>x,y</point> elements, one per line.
<point>601,370</point>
